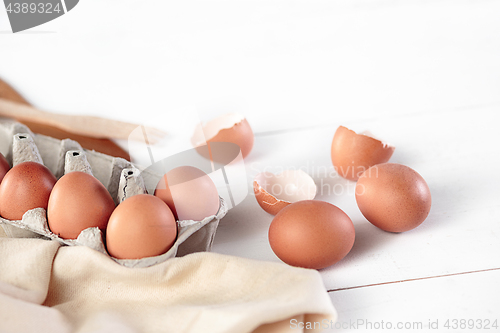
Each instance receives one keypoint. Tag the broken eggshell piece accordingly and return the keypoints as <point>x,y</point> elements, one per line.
<point>354,153</point>
<point>230,127</point>
<point>275,192</point>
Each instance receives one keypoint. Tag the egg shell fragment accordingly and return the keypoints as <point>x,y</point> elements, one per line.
<point>230,127</point>
<point>393,197</point>
<point>353,153</point>
<point>311,234</point>
<point>275,192</point>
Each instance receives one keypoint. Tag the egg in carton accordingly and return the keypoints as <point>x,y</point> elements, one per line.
<point>121,178</point>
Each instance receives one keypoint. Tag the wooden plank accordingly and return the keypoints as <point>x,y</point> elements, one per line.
<point>466,302</point>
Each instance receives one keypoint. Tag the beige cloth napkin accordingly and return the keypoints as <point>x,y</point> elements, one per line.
<point>48,288</point>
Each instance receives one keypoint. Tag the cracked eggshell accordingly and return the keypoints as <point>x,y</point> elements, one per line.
<point>275,192</point>
<point>393,197</point>
<point>230,127</point>
<point>353,153</point>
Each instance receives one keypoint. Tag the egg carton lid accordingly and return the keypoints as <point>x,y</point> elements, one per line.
<point>193,236</point>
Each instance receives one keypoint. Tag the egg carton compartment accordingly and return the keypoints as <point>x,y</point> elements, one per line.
<point>193,236</point>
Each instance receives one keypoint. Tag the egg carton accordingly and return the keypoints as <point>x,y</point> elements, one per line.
<point>120,177</point>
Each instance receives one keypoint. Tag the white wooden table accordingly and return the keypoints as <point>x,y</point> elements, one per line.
<point>424,75</point>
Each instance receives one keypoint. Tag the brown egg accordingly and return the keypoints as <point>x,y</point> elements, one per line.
<point>393,197</point>
<point>4,166</point>
<point>189,193</point>
<point>275,192</point>
<point>77,202</point>
<point>141,226</point>
<point>231,127</point>
<point>26,186</point>
<point>353,153</point>
<point>311,234</point>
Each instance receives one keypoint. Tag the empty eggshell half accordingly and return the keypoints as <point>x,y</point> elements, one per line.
<point>230,127</point>
<point>354,153</point>
<point>275,192</point>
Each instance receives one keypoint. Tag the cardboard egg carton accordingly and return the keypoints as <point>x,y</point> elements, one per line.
<point>120,177</point>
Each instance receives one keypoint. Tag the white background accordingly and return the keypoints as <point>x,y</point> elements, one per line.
<point>424,75</point>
